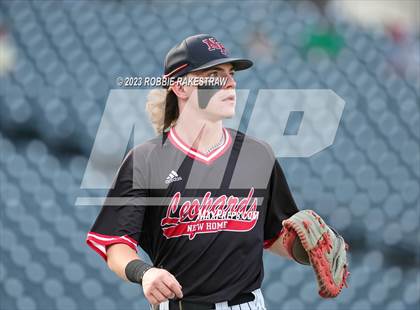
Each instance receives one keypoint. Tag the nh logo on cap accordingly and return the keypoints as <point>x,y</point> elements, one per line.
<point>213,44</point>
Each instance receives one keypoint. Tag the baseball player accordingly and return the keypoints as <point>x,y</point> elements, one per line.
<point>204,201</point>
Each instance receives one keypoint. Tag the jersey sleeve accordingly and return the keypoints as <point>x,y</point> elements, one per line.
<point>121,217</point>
<point>280,206</point>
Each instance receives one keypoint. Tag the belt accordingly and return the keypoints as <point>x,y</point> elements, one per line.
<point>196,305</point>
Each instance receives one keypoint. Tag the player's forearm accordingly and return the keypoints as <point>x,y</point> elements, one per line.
<point>293,251</point>
<point>119,255</point>
<point>278,248</point>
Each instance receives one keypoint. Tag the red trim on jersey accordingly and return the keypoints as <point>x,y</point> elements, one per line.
<point>195,154</point>
<point>99,242</point>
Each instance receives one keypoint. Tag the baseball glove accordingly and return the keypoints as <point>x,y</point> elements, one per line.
<point>325,248</point>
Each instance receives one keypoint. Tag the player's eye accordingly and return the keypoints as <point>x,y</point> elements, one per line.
<point>213,74</point>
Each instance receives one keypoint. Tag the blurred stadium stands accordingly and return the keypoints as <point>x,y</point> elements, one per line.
<point>68,55</point>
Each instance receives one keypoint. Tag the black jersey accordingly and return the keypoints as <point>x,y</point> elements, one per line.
<point>204,218</point>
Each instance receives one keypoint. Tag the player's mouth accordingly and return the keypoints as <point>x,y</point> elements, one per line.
<point>229,98</point>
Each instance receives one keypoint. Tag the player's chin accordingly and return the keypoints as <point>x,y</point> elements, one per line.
<point>228,106</point>
<point>227,114</point>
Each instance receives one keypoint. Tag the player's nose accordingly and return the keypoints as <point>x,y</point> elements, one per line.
<point>230,82</point>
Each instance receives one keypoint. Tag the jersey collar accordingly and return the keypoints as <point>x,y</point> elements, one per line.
<point>195,154</point>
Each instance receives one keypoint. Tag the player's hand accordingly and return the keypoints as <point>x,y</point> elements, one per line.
<point>159,285</point>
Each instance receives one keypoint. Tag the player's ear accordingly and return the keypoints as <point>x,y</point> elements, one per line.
<point>180,91</point>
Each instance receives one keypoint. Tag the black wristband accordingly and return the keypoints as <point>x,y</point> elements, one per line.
<point>135,270</point>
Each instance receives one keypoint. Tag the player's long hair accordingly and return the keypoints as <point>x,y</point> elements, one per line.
<point>162,107</point>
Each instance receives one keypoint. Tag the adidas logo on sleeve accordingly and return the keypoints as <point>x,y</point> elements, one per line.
<point>172,177</point>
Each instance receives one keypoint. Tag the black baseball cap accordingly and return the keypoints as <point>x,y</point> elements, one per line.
<point>199,52</point>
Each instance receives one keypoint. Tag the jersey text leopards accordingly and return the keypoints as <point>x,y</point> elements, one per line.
<point>211,215</point>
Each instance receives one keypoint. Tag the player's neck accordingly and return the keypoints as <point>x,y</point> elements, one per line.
<point>199,134</point>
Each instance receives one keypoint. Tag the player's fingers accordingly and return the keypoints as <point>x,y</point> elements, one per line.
<point>172,277</point>
<point>151,299</point>
<point>165,291</point>
<point>158,296</point>
<point>174,286</point>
